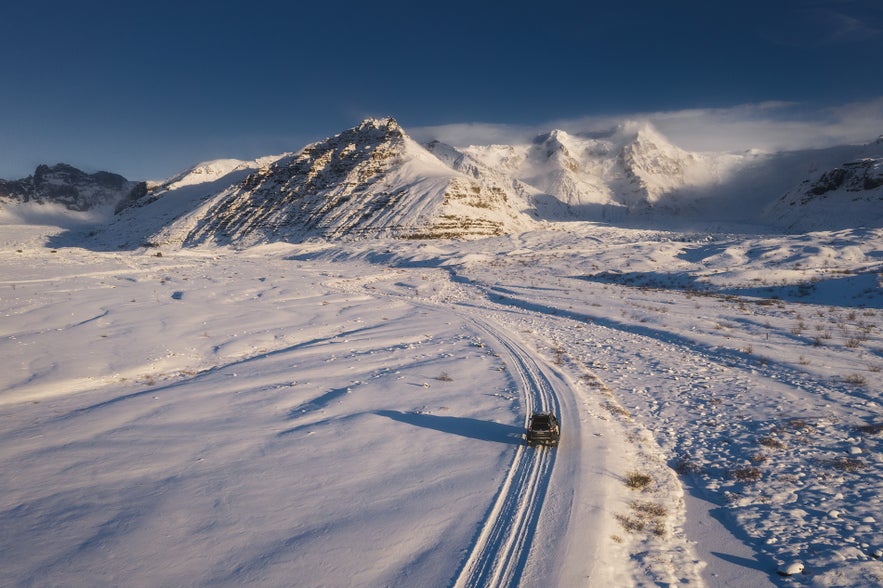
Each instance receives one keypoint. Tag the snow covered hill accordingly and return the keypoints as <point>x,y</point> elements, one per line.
<point>211,176</point>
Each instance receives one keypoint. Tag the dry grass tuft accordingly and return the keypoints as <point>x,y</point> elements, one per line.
<point>638,480</point>
<point>746,474</point>
<point>616,409</point>
<point>845,464</point>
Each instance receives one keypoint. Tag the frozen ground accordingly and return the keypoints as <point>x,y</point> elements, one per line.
<point>351,414</point>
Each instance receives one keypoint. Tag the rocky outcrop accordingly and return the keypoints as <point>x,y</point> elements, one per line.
<point>853,176</point>
<point>72,188</point>
<point>847,195</point>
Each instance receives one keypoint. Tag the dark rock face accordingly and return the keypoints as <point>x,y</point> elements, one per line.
<point>855,176</point>
<point>72,188</point>
<point>846,195</point>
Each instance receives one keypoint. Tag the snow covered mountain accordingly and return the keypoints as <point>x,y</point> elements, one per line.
<point>372,180</point>
<point>72,188</point>
<point>375,181</point>
<point>628,169</point>
<point>847,195</point>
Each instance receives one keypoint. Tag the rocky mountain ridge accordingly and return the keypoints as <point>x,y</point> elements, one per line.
<point>375,181</point>
<point>72,188</point>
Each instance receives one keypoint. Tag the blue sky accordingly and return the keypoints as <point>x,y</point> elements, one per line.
<point>148,88</point>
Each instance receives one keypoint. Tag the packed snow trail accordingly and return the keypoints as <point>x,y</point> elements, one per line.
<point>503,543</point>
<point>500,552</point>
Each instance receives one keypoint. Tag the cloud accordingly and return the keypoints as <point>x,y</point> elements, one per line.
<point>845,28</point>
<point>773,126</point>
<point>844,23</point>
<point>767,126</point>
<point>463,134</point>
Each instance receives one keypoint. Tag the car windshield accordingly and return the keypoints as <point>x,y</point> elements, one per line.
<point>540,422</point>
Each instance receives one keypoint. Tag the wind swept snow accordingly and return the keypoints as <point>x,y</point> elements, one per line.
<point>352,413</point>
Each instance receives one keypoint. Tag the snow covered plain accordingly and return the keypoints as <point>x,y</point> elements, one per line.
<point>351,413</point>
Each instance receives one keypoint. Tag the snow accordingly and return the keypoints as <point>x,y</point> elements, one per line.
<point>50,214</point>
<point>631,166</point>
<point>213,170</point>
<point>351,413</point>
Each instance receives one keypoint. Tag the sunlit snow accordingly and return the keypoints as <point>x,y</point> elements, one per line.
<point>352,414</point>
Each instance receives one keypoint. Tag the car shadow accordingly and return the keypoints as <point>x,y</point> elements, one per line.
<point>751,564</point>
<point>462,426</point>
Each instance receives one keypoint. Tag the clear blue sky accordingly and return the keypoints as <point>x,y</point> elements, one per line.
<point>148,88</point>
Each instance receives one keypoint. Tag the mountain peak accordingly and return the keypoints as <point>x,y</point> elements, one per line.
<point>555,143</point>
<point>369,180</point>
<point>555,136</point>
<point>386,125</point>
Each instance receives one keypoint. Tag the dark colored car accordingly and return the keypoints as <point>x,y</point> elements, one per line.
<point>543,429</point>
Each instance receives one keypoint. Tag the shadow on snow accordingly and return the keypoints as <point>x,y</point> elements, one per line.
<point>857,290</point>
<point>462,426</point>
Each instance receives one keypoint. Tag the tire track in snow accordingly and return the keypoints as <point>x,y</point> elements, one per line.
<point>500,551</point>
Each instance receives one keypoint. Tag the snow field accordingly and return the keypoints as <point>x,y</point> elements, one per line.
<point>351,411</point>
<point>271,428</point>
<point>578,540</point>
<point>774,426</point>
<point>764,398</point>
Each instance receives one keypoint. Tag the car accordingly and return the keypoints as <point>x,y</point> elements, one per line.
<point>543,429</point>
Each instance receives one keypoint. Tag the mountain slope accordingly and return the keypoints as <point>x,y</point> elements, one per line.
<point>208,177</point>
<point>138,219</point>
<point>372,180</point>
<point>846,195</point>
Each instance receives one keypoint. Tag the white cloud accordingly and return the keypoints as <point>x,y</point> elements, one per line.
<point>462,134</point>
<point>768,126</point>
